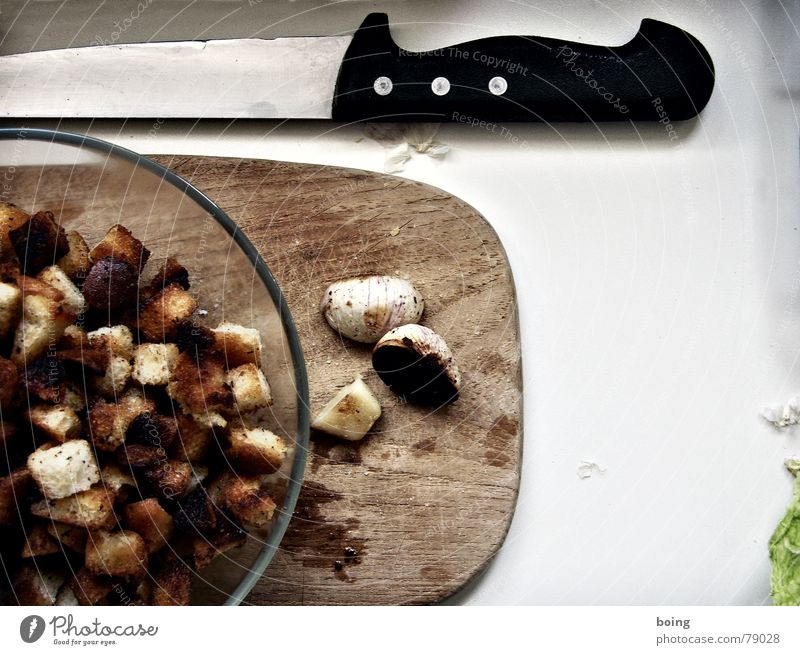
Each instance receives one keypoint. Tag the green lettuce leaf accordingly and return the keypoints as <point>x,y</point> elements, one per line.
<point>784,553</point>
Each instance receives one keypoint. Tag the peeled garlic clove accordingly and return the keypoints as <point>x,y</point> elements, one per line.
<point>417,364</point>
<point>365,308</point>
<point>350,413</point>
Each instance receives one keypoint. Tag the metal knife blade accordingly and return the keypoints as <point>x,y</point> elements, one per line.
<point>661,72</point>
<point>227,78</point>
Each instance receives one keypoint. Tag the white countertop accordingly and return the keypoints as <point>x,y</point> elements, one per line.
<point>658,283</point>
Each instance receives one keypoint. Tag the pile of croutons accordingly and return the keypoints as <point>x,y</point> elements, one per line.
<point>133,453</point>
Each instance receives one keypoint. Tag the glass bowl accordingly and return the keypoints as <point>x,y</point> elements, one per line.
<point>92,185</point>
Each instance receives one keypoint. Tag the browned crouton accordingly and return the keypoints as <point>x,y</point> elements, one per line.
<point>170,272</point>
<point>35,586</point>
<point>227,536</point>
<point>70,536</point>
<point>117,340</point>
<point>139,455</point>
<point>59,280</point>
<point>117,375</point>
<point>13,487</point>
<point>169,479</point>
<point>116,553</point>
<point>39,542</point>
<point>90,589</point>
<point>88,358</point>
<point>74,337</point>
<point>151,521</point>
<point>172,582</point>
<point>43,322</point>
<point>10,301</point>
<point>31,286</point>
<point>38,242</point>
<point>249,503</point>
<point>255,450</point>
<point>160,315</point>
<point>11,217</point>
<point>110,284</point>
<point>153,430</point>
<point>250,388</point>
<point>76,262</point>
<point>193,440</point>
<point>66,597</point>
<point>92,509</point>
<point>44,378</point>
<point>241,345</point>
<point>199,385</point>
<point>195,513</point>
<point>115,480</point>
<point>152,363</point>
<point>108,422</point>
<point>120,244</point>
<point>8,430</point>
<point>56,422</point>
<point>9,381</point>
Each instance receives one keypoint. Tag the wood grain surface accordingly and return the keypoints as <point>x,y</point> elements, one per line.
<point>425,500</point>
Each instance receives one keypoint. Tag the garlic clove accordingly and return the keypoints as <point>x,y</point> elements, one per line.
<point>350,413</point>
<point>365,308</point>
<point>417,364</point>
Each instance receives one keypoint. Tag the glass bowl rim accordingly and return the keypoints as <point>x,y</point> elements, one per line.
<point>301,378</point>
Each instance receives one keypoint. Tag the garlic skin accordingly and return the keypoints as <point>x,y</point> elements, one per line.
<point>417,363</point>
<point>365,308</point>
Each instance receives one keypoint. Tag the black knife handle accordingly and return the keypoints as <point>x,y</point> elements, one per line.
<point>662,74</point>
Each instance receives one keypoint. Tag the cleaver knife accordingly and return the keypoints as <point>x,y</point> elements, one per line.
<point>662,72</point>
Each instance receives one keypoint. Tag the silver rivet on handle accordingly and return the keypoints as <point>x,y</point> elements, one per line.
<point>383,86</point>
<point>440,86</point>
<point>498,85</point>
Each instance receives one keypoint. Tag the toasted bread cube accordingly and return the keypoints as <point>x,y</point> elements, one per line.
<point>70,536</point>
<point>208,547</point>
<point>172,582</point>
<point>249,503</point>
<point>43,322</point>
<point>57,422</point>
<point>194,440</point>
<point>10,301</point>
<point>168,479</point>
<point>133,456</point>
<point>11,217</point>
<point>92,509</point>
<point>256,450</point>
<point>66,597</point>
<point>111,284</point>
<point>170,272</point>
<point>150,521</point>
<point>116,377</point>
<point>199,473</point>
<point>160,316</point>
<point>74,338</point>
<point>350,413</point>
<point>73,397</point>
<point>64,470</point>
<point>209,420</point>
<point>152,429</point>
<point>13,488</point>
<point>114,479</point>
<point>38,542</point>
<point>38,242</point>
<point>35,586</point>
<point>108,422</point>
<point>120,244</point>
<point>76,262</point>
<point>31,286</point>
<point>152,363</point>
<point>250,388</point>
<point>9,384</point>
<point>116,553</point>
<point>118,340</point>
<point>8,432</point>
<point>74,301</point>
<point>240,345</point>
<point>195,513</point>
<point>199,384</point>
<point>90,589</point>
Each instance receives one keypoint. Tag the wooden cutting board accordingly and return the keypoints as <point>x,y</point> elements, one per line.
<point>425,501</point>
